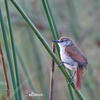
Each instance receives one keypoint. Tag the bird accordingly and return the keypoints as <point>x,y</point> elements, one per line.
<point>72,57</point>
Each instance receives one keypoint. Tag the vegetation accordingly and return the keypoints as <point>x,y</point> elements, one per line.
<point>28,63</point>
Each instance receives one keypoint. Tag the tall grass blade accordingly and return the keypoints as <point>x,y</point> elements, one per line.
<point>51,22</point>
<point>49,14</point>
<point>45,44</point>
<point>8,55</point>
<point>71,92</point>
<point>13,50</point>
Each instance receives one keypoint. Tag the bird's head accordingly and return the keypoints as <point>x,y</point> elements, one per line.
<point>63,41</point>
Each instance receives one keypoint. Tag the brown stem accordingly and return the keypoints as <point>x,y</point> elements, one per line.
<point>5,73</point>
<point>52,75</point>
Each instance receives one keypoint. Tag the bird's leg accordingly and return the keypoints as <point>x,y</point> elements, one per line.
<point>72,78</point>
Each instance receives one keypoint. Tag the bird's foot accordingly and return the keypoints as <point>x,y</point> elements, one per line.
<point>72,77</point>
<point>61,64</point>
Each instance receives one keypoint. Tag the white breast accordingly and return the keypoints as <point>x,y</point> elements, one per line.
<point>65,58</point>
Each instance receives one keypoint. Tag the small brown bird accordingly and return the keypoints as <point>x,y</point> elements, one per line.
<point>72,58</point>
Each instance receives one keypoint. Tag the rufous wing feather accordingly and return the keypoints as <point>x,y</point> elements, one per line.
<point>76,55</point>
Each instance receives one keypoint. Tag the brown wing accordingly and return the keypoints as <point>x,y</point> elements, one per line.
<point>76,55</point>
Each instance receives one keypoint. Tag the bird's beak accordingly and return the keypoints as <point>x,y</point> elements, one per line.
<point>56,41</point>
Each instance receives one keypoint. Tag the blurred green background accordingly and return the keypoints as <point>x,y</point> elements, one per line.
<point>78,19</point>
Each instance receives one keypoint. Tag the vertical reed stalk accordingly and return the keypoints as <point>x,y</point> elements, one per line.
<point>13,50</point>
<point>51,22</point>
<point>8,55</point>
<point>71,92</point>
<point>52,75</point>
<point>5,73</point>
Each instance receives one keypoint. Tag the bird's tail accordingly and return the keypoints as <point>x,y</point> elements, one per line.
<point>79,75</point>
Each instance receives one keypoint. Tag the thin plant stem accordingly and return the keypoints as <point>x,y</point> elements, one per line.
<point>5,73</point>
<point>46,5</point>
<point>8,55</point>
<point>26,72</point>
<point>52,75</point>
<point>70,88</point>
<point>51,22</point>
<point>13,50</point>
<point>45,44</point>
<point>71,92</point>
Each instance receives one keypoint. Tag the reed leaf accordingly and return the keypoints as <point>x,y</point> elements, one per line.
<point>51,22</point>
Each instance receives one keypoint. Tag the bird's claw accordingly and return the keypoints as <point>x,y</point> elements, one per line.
<point>61,63</point>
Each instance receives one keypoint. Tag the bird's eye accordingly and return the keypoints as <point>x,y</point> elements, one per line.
<point>62,41</point>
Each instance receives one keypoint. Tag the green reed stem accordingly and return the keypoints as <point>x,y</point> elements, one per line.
<point>45,44</point>
<point>50,16</point>
<point>51,22</point>
<point>71,92</point>
<point>8,54</point>
<point>13,50</point>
